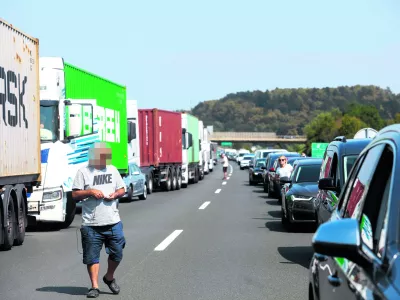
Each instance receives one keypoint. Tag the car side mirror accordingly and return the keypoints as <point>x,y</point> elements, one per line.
<point>327,184</point>
<point>340,238</point>
<point>272,169</point>
<point>285,180</point>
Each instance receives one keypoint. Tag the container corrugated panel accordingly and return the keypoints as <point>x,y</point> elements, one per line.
<point>81,84</point>
<point>160,135</point>
<point>19,106</point>
<point>193,128</point>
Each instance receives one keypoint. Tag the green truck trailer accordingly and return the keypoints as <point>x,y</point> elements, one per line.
<point>190,149</point>
<point>77,109</point>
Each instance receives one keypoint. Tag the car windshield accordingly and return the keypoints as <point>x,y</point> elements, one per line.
<point>247,157</point>
<point>241,154</point>
<point>260,164</point>
<point>348,162</point>
<point>308,173</point>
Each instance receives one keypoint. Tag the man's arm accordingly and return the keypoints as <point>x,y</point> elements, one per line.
<point>79,195</point>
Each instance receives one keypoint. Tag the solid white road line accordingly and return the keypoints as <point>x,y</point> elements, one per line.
<point>224,183</point>
<point>164,244</point>
<point>204,205</point>
<point>218,191</point>
<point>231,171</point>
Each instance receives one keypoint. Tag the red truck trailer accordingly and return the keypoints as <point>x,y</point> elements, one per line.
<point>160,136</point>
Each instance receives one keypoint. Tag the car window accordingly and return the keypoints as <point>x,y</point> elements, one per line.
<point>362,182</point>
<point>326,165</point>
<point>308,173</point>
<point>131,169</point>
<point>348,162</point>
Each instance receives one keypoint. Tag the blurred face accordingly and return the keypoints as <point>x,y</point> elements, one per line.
<point>100,156</point>
<point>282,161</point>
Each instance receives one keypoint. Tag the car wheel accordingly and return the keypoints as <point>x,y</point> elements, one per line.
<point>144,195</point>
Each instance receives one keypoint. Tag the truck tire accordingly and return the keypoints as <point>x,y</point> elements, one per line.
<point>9,222</point>
<point>150,185</point>
<point>178,179</point>
<point>168,183</point>
<point>70,212</point>
<point>174,180</point>
<point>196,175</point>
<point>20,215</point>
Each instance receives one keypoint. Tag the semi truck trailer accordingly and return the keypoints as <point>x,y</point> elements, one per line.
<point>160,148</point>
<point>19,131</point>
<point>190,149</point>
<point>77,109</point>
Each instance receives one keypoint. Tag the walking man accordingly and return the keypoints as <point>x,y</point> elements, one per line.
<point>100,185</point>
<point>225,165</point>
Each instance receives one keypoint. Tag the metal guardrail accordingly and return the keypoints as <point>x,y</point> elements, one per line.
<point>255,136</point>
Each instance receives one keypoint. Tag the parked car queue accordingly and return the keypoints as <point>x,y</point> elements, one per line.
<point>350,196</point>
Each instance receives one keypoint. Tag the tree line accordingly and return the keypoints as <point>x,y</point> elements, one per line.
<point>319,113</point>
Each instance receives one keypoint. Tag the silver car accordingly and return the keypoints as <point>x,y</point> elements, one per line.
<point>135,182</point>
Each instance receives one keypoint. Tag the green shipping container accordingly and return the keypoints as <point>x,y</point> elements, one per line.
<point>193,128</point>
<point>80,84</point>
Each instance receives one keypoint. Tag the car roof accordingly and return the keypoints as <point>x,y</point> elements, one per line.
<point>311,161</point>
<point>287,154</point>
<point>348,147</point>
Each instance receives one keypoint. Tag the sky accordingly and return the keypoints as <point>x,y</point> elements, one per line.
<point>174,54</point>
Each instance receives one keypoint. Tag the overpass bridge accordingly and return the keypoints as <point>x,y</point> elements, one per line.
<point>256,137</point>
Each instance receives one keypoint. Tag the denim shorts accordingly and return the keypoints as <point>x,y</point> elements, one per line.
<point>93,238</point>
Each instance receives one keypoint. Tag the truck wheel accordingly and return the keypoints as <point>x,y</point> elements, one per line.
<point>196,175</point>
<point>150,185</point>
<point>70,212</point>
<point>178,180</point>
<point>20,216</point>
<point>168,183</point>
<point>144,195</point>
<point>174,180</point>
<point>9,229</point>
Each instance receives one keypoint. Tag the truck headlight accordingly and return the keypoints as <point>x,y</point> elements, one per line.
<point>301,198</point>
<point>52,196</point>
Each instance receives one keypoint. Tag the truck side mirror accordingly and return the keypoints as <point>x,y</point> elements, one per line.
<point>131,131</point>
<point>190,140</point>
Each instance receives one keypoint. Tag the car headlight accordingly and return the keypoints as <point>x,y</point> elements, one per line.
<point>52,196</point>
<point>255,173</point>
<point>301,198</point>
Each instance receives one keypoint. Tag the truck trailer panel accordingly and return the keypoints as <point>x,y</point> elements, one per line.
<point>80,84</point>
<point>20,105</point>
<point>193,128</point>
<point>160,135</point>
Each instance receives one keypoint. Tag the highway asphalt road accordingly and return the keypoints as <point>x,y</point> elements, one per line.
<point>234,247</point>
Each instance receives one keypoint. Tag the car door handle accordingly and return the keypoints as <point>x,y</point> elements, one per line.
<point>334,280</point>
<point>320,257</point>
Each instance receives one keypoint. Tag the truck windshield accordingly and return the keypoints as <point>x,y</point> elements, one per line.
<point>48,123</point>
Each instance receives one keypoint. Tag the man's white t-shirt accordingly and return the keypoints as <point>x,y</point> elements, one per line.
<point>98,212</point>
<point>286,171</point>
<point>226,162</point>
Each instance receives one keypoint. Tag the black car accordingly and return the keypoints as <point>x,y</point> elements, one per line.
<point>302,189</point>
<point>339,158</point>
<point>271,186</point>
<point>357,251</point>
<point>255,171</point>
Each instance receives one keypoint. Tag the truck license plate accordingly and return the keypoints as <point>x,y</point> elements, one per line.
<point>33,207</point>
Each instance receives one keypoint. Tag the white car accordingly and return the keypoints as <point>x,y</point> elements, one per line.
<point>245,161</point>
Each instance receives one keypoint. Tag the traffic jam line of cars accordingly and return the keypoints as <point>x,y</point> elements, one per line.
<point>349,195</point>
<point>169,239</point>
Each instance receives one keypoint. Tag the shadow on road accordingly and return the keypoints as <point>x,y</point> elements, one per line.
<point>300,255</point>
<point>68,290</point>
<point>258,191</point>
<point>299,228</point>
<point>275,213</point>
<point>271,202</point>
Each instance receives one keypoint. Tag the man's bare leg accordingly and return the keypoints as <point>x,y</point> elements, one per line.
<point>93,271</point>
<point>112,266</point>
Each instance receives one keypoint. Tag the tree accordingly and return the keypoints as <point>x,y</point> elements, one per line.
<point>322,129</point>
<point>369,114</point>
<point>350,125</point>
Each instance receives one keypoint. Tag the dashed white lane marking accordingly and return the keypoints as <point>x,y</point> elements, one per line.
<point>165,243</point>
<point>204,205</point>
<point>227,178</point>
<point>224,183</point>
<point>218,191</point>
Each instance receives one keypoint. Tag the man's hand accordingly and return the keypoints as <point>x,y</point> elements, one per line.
<point>110,197</point>
<point>97,194</point>
<point>117,194</point>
